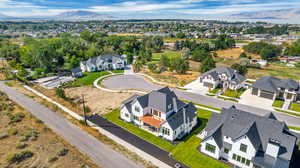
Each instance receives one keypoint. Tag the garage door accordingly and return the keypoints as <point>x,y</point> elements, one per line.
<point>208,84</point>
<point>254,91</point>
<point>267,95</point>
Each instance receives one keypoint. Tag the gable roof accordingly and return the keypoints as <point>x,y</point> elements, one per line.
<point>232,75</point>
<point>106,58</point>
<point>270,83</point>
<point>259,129</point>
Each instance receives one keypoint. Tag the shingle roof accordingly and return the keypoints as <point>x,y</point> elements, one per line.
<point>235,123</point>
<point>76,70</point>
<point>272,84</point>
<point>232,75</point>
<point>112,58</point>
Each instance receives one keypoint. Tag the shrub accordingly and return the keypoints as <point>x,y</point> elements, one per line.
<point>3,135</point>
<point>60,93</point>
<point>12,131</point>
<point>18,117</point>
<point>21,145</point>
<point>19,157</point>
<point>53,159</point>
<point>63,152</point>
<point>32,134</point>
<point>87,109</point>
<point>38,121</point>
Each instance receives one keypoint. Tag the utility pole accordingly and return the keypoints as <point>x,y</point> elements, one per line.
<point>83,106</point>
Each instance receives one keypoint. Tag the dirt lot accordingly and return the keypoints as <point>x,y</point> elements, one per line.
<point>174,79</point>
<point>20,131</point>
<point>99,101</point>
<point>234,53</point>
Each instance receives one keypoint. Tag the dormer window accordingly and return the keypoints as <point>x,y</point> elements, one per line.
<point>137,109</point>
<point>243,148</point>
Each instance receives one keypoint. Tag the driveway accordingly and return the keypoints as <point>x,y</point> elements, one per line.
<point>196,87</point>
<point>100,153</point>
<point>248,99</point>
<point>138,82</point>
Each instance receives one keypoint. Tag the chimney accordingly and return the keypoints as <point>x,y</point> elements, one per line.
<point>175,104</point>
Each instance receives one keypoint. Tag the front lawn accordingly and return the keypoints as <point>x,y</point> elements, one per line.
<point>295,107</point>
<point>186,151</point>
<point>118,71</point>
<point>214,91</point>
<point>278,103</point>
<point>89,78</point>
<point>233,93</point>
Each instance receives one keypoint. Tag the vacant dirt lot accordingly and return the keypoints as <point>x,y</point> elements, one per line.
<point>99,101</point>
<point>20,131</point>
<point>234,53</point>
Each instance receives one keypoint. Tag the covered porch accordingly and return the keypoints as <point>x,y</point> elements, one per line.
<point>151,124</point>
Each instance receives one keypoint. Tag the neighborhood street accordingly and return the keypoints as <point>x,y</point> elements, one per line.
<point>138,82</point>
<point>100,153</point>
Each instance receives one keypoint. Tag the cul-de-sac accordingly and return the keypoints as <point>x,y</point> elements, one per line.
<point>149,84</point>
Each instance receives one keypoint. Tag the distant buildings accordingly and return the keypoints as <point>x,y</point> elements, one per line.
<point>224,77</point>
<point>161,113</point>
<point>247,140</point>
<point>103,62</point>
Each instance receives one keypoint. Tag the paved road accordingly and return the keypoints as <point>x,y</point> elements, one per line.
<point>134,140</point>
<point>138,82</point>
<point>101,154</point>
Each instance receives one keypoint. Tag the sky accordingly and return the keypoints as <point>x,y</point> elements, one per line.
<point>40,8</point>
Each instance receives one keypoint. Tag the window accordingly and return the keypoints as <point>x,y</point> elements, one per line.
<point>243,160</point>
<point>137,109</point>
<point>238,158</point>
<point>135,118</point>
<point>234,156</point>
<point>226,150</point>
<point>165,131</point>
<point>210,148</point>
<point>243,148</point>
<point>126,115</point>
<point>248,162</point>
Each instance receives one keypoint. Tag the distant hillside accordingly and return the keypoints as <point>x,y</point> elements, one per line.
<point>272,14</point>
<point>82,16</point>
<point>2,16</point>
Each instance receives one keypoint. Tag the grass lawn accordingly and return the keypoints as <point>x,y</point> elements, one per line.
<point>295,107</point>
<point>278,103</point>
<point>186,151</point>
<point>214,91</point>
<point>118,71</point>
<point>233,93</point>
<point>283,111</point>
<point>294,128</point>
<point>89,78</point>
<point>168,53</point>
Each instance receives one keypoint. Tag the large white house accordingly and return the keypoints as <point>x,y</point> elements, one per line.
<point>103,62</point>
<point>247,140</point>
<point>161,113</point>
<point>224,77</point>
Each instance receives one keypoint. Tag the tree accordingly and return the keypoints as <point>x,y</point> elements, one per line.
<point>129,58</point>
<point>137,66</point>
<point>185,53</point>
<point>152,66</point>
<point>179,64</point>
<point>297,65</point>
<point>180,35</point>
<point>22,72</point>
<point>200,54</point>
<point>270,52</point>
<point>60,93</point>
<point>243,55</point>
<point>164,61</point>
<point>241,69</point>
<point>207,64</point>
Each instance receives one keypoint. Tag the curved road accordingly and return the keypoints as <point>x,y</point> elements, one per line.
<point>100,153</point>
<point>138,82</point>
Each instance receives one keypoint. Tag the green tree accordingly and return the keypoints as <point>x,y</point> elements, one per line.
<point>152,66</point>
<point>241,69</point>
<point>60,93</point>
<point>200,55</point>
<point>179,64</point>
<point>243,55</point>
<point>207,64</point>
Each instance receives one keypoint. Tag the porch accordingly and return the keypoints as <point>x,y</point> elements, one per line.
<point>151,124</point>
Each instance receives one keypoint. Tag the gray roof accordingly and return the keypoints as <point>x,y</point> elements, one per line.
<point>271,84</point>
<point>232,75</point>
<point>76,70</point>
<point>260,130</point>
<point>110,58</point>
<point>164,100</point>
<point>176,119</point>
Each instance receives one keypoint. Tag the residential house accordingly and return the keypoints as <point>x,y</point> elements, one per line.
<point>224,77</point>
<point>247,140</point>
<point>274,88</point>
<point>76,72</point>
<point>161,113</point>
<point>104,62</point>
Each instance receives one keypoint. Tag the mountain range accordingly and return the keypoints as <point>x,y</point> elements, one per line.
<point>283,14</point>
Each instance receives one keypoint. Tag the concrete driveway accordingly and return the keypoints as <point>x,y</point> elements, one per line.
<point>248,99</point>
<point>138,82</point>
<point>196,87</point>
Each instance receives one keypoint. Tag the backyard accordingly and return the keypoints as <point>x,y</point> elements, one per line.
<point>186,151</point>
